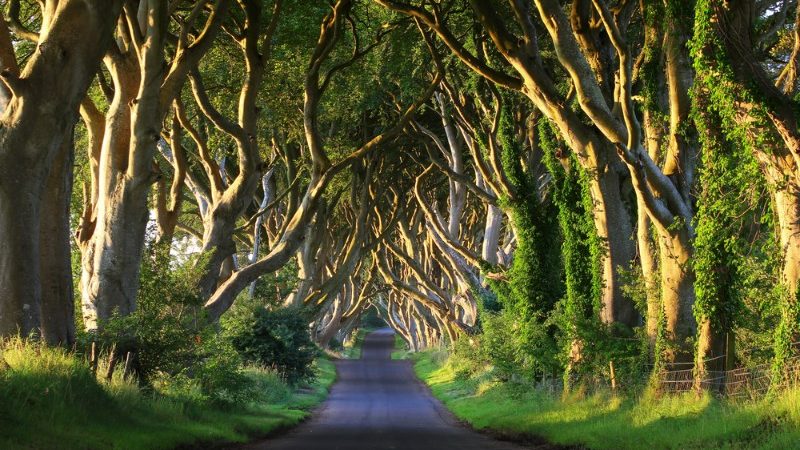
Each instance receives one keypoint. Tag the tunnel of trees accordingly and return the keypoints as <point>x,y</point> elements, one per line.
<point>588,191</point>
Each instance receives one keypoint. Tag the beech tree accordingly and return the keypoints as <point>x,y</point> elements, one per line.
<point>113,231</point>
<point>602,86</point>
<point>323,169</point>
<point>41,109</point>
<point>755,103</point>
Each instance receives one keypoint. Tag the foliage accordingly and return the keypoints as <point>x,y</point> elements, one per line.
<point>171,346</point>
<point>371,319</point>
<point>521,334</point>
<point>579,308</point>
<point>276,338</point>
<point>52,391</point>
<point>166,331</point>
<point>606,421</point>
<point>736,263</point>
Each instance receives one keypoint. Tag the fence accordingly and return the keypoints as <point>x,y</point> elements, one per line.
<point>741,383</point>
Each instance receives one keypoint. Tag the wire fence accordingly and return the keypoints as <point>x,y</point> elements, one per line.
<point>739,383</point>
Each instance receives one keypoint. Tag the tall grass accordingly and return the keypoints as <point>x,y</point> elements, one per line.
<point>50,399</point>
<point>605,421</point>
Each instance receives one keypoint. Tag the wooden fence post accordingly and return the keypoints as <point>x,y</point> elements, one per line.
<point>613,376</point>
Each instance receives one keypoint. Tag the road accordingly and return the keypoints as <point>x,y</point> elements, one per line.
<point>377,404</point>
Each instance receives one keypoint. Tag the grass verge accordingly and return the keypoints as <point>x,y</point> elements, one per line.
<point>50,399</point>
<point>612,422</point>
<point>401,350</point>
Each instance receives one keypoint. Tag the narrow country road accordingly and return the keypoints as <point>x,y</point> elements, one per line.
<point>379,404</point>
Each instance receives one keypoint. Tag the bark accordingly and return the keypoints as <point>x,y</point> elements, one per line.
<point>8,62</point>
<point>787,210</point>
<point>716,352</point>
<point>168,201</point>
<point>144,90</point>
<point>43,108</point>
<point>58,306</point>
<point>458,192</point>
<point>491,234</point>
<point>613,226</point>
<point>648,261</point>
<point>305,259</point>
<point>329,331</point>
<point>266,185</point>
<point>677,295</point>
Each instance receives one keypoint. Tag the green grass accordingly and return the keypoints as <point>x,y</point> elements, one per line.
<point>401,350</point>
<point>609,422</point>
<point>50,399</point>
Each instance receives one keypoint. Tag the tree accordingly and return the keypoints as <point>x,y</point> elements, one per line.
<point>143,93</point>
<point>41,112</point>
<point>616,135</point>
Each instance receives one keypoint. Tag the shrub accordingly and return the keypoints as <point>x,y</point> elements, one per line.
<point>276,338</point>
<point>467,357</point>
<point>177,352</point>
<point>220,373</point>
<point>518,345</point>
<point>167,328</point>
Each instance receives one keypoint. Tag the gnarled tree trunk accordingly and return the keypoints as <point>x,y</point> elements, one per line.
<point>42,110</point>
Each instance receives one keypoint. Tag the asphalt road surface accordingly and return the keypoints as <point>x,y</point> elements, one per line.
<point>378,404</point>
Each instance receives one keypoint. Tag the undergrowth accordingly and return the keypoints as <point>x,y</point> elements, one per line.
<point>606,421</point>
<point>49,398</point>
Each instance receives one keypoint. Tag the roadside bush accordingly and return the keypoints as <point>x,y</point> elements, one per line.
<point>499,344</point>
<point>219,371</point>
<point>268,385</point>
<point>166,329</point>
<point>276,338</point>
<point>467,357</point>
<point>216,377</point>
<point>518,346</point>
<point>176,351</point>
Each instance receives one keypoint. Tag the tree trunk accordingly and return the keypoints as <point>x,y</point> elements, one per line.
<point>613,226</point>
<point>266,200</point>
<point>648,262</point>
<point>20,287</point>
<point>117,253</point>
<point>44,107</point>
<point>110,276</point>
<point>332,327</point>
<point>491,234</point>
<point>677,295</point>
<point>58,307</point>
<point>787,209</point>
<point>715,353</point>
